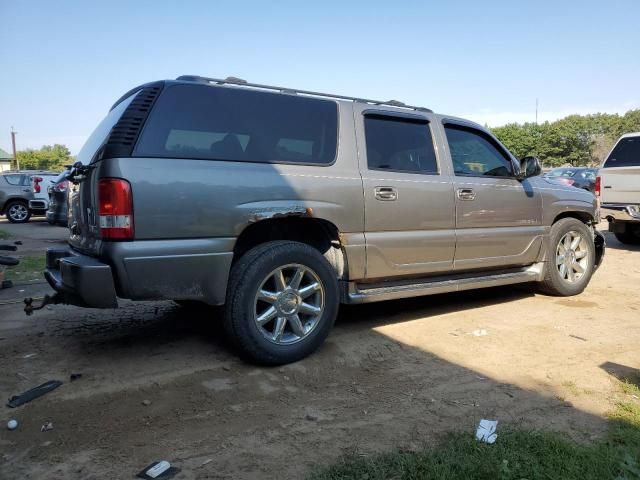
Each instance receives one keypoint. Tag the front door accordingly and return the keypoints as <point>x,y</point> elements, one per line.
<point>498,218</point>
<point>409,201</point>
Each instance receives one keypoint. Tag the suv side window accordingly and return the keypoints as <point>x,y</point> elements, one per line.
<point>476,154</point>
<point>399,144</point>
<point>13,179</point>
<point>241,125</point>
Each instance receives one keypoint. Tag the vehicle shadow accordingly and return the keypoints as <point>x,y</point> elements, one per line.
<point>432,305</point>
<point>622,372</point>
<point>613,243</point>
<point>362,393</point>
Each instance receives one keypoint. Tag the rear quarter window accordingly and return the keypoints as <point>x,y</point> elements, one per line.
<point>235,124</point>
<point>13,179</point>
<point>626,153</point>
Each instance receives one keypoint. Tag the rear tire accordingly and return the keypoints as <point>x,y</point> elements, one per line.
<point>282,300</point>
<point>630,236</point>
<point>571,258</point>
<point>17,211</point>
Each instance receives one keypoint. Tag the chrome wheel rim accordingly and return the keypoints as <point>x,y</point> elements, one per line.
<point>18,212</point>
<point>572,256</point>
<point>289,304</point>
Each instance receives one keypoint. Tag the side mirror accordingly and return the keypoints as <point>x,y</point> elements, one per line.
<point>529,167</point>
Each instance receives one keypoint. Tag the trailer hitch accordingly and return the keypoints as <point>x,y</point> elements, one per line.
<point>54,299</point>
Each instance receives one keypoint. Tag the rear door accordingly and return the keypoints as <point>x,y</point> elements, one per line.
<point>620,174</point>
<point>498,218</point>
<point>409,203</point>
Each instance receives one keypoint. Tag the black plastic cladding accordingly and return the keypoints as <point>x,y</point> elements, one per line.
<point>124,134</point>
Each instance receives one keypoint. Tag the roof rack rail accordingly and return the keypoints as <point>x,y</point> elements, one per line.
<point>244,83</point>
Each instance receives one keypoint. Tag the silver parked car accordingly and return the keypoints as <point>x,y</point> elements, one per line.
<point>282,204</point>
<point>23,193</point>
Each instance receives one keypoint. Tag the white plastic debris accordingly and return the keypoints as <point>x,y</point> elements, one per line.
<point>487,431</point>
<point>46,427</point>
<point>12,424</point>
<point>479,333</point>
<point>158,469</point>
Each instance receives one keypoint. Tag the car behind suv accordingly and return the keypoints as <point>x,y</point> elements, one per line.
<point>618,187</point>
<point>579,177</point>
<point>23,193</point>
<point>282,204</point>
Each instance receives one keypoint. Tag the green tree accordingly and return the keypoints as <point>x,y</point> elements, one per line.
<point>46,158</point>
<point>576,140</point>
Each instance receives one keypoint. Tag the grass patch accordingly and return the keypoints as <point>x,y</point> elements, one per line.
<point>4,235</point>
<point>518,454</point>
<point>630,386</point>
<point>29,268</point>
<point>572,388</point>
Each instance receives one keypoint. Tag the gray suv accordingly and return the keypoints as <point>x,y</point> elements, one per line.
<point>282,204</point>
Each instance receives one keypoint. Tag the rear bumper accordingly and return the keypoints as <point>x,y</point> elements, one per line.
<point>38,204</point>
<point>57,218</point>
<point>182,269</point>
<point>620,212</point>
<point>79,279</point>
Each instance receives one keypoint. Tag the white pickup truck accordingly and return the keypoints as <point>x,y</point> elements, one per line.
<point>618,188</point>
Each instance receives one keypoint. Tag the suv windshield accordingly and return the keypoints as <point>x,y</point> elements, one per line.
<point>625,154</point>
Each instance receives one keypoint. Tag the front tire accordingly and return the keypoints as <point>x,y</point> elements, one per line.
<point>17,212</point>
<point>282,300</point>
<point>571,258</point>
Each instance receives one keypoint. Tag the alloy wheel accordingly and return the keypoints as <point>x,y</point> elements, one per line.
<point>289,304</point>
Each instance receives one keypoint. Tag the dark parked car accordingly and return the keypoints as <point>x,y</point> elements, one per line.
<point>58,207</point>
<point>578,177</point>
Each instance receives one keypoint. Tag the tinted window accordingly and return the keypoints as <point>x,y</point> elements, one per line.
<point>399,144</point>
<point>625,154</point>
<point>199,121</point>
<point>474,153</point>
<point>13,179</point>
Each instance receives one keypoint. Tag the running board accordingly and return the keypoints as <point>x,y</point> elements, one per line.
<point>360,293</point>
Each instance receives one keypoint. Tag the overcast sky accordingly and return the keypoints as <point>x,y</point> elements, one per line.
<point>65,62</point>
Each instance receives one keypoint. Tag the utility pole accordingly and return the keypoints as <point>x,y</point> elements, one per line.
<point>13,144</point>
<point>536,110</point>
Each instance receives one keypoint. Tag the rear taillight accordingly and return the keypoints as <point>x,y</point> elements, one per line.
<point>598,186</point>
<point>60,186</point>
<point>36,184</point>
<point>115,207</point>
<point>566,181</point>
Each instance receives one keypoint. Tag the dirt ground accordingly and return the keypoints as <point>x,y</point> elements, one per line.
<point>391,375</point>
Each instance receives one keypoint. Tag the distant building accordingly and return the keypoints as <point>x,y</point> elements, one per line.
<point>5,160</point>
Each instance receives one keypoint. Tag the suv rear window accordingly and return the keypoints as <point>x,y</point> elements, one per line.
<point>625,154</point>
<point>236,124</point>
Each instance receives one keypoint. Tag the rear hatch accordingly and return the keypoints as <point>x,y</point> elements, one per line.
<point>620,173</point>
<point>82,193</point>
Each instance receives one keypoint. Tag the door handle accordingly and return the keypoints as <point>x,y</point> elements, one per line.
<point>466,194</point>
<point>386,194</point>
<point>26,189</point>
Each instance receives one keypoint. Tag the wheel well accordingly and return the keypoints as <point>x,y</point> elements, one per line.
<point>11,200</point>
<point>582,216</point>
<point>317,233</point>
